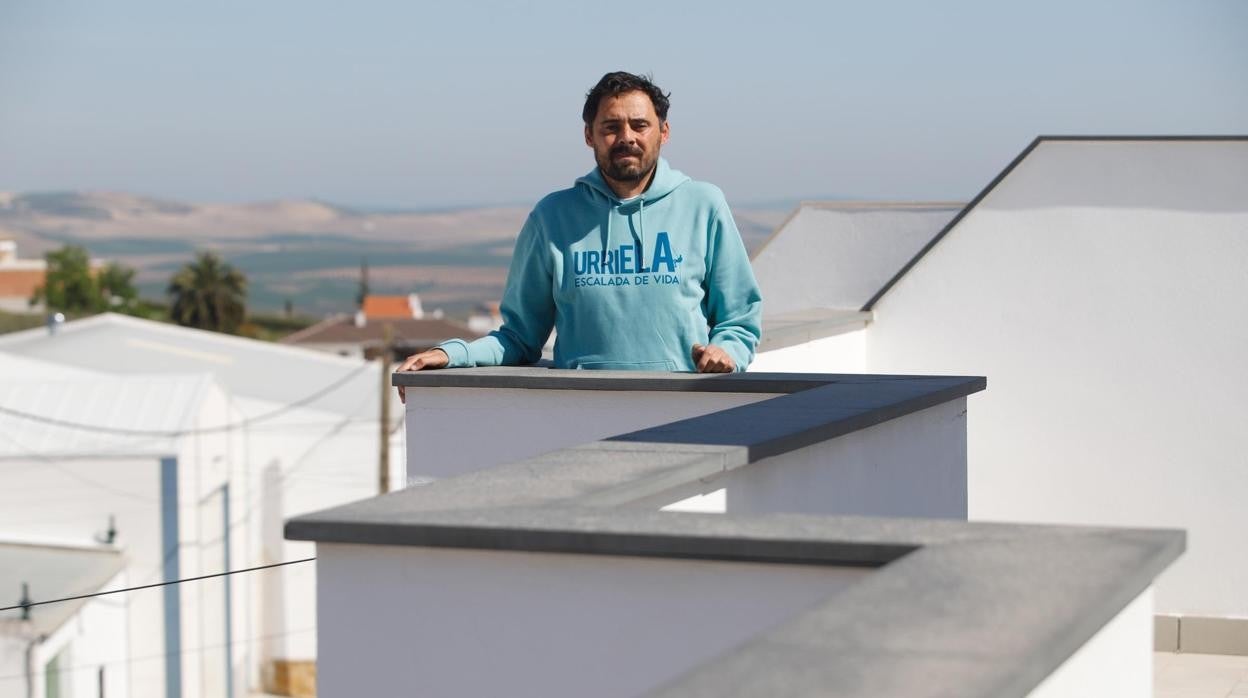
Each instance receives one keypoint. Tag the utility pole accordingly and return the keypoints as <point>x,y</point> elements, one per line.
<point>387,347</point>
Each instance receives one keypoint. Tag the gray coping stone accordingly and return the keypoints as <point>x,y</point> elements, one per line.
<point>800,419</point>
<point>543,378</point>
<point>951,608</point>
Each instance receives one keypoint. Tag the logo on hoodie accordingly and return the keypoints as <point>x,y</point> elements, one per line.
<point>627,266</point>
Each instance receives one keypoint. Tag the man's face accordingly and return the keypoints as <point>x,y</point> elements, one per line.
<point>626,136</point>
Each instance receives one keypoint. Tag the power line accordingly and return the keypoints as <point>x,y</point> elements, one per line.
<point>158,584</point>
<point>337,426</point>
<point>73,475</point>
<point>290,475</point>
<point>100,429</point>
<point>151,657</point>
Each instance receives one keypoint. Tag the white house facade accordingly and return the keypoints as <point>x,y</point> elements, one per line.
<point>301,432</point>
<point>1101,284</point>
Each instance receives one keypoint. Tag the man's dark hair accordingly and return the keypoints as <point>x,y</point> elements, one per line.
<point>619,82</point>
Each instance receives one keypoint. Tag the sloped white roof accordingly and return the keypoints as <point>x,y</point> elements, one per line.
<point>111,343</point>
<point>52,572</point>
<point>1108,172</point>
<point>798,327</point>
<point>840,254</point>
<point>103,416</point>
<point>17,367</point>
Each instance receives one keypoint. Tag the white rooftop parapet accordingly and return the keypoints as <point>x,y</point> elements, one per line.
<point>557,574</point>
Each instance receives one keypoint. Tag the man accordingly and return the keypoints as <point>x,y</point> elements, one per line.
<point>635,267</point>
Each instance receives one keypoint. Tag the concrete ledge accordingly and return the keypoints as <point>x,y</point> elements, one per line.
<point>540,378</point>
<point>793,421</point>
<point>946,596</point>
<point>971,609</point>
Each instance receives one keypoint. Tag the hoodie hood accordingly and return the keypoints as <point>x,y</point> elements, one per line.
<point>666,180</point>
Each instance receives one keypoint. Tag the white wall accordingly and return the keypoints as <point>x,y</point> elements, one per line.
<point>841,353</point>
<point>838,254</point>
<point>204,465</point>
<point>12,661</point>
<point>403,620</point>
<point>452,431</point>
<point>90,639</point>
<point>1117,661</point>
<point>87,642</point>
<point>1103,290</point>
<point>912,466</point>
<point>302,461</point>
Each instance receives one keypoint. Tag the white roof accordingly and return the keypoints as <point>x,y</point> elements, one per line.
<point>1109,173</point>
<point>15,367</point>
<point>111,343</point>
<point>52,572</point>
<point>840,254</point>
<point>790,329</point>
<point>104,416</point>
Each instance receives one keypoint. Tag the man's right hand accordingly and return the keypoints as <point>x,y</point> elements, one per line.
<point>434,358</point>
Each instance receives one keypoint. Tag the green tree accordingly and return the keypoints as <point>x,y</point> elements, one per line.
<point>116,284</point>
<point>209,294</point>
<point>69,284</point>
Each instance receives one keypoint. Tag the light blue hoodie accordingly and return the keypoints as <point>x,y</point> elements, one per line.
<point>626,285</point>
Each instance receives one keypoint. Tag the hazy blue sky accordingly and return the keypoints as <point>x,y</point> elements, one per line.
<point>432,104</point>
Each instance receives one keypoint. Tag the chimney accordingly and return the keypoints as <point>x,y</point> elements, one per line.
<point>8,251</point>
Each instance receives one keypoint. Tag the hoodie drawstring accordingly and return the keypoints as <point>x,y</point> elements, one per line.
<point>641,229</point>
<point>666,180</point>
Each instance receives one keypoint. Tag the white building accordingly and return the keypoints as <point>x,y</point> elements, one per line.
<point>1101,284</point>
<point>70,648</point>
<point>143,480</point>
<point>303,434</point>
<point>823,264</point>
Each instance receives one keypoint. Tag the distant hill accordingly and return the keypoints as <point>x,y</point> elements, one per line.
<point>308,252</point>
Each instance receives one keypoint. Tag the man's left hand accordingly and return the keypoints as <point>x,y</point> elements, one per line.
<point>712,359</point>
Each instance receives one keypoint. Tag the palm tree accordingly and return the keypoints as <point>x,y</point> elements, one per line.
<point>209,294</point>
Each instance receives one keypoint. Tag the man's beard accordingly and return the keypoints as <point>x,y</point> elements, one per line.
<point>625,171</point>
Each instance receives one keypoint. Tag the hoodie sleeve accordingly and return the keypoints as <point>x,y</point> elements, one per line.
<point>734,304</point>
<point>528,310</point>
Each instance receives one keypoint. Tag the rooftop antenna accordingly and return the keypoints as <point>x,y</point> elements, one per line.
<point>110,536</point>
<point>25,602</point>
<point>55,320</point>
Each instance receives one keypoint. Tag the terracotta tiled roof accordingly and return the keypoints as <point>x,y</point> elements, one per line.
<point>387,307</point>
<point>20,282</point>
